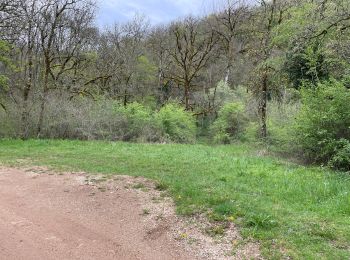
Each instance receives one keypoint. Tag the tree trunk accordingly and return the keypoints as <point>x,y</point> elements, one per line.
<point>27,87</point>
<point>187,96</point>
<point>227,76</point>
<point>43,102</point>
<point>25,112</point>
<point>229,69</point>
<point>263,107</point>
<point>125,102</point>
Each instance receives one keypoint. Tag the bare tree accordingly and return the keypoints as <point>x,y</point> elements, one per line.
<point>18,23</point>
<point>120,49</point>
<point>49,36</point>
<point>8,10</point>
<point>158,43</point>
<point>267,16</point>
<point>190,53</point>
<point>62,28</point>
<point>230,26</point>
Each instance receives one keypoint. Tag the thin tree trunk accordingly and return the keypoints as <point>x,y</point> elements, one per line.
<point>229,69</point>
<point>227,76</point>
<point>25,112</point>
<point>27,88</point>
<point>125,98</point>
<point>187,96</point>
<point>263,108</point>
<point>43,102</point>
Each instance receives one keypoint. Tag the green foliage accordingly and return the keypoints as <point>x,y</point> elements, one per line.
<point>9,121</point>
<point>307,65</point>
<point>146,71</point>
<point>4,53</point>
<point>105,119</point>
<point>323,124</point>
<point>251,134</point>
<point>293,24</point>
<point>137,123</point>
<point>230,124</point>
<point>4,62</point>
<point>314,37</point>
<point>341,158</point>
<point>223,93</point>
<point>177,124</point>
<point>281,117</point>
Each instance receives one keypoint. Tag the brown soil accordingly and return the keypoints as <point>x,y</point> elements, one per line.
<point>46,215</point>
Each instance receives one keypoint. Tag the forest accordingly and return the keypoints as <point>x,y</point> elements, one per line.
<point>273,72</point>
<point>241,116</point>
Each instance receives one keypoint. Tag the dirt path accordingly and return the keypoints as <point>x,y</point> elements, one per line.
<point>58,217</point>
<point>46,215</point>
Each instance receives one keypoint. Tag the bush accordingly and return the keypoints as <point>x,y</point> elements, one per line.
<point>281,116</point>
<point>230,124</point>
<point>9,121</point>
<point>341,159</point>
<point>102,119</point>
<point>136,122</point>
<point>83,118</point>
<point>177,124</point>
<point>323,124</point>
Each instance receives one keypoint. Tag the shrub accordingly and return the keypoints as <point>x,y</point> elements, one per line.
<point>281,116</point>
<point>103,119</point>
<point>323,124</point>
<point>177,124</point>
<point>10,120</point>
<point>341,158</point>
<point>230,123</point>
<point>136,123</point>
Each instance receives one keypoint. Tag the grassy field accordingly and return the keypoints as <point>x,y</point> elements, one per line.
<point>291,210</point>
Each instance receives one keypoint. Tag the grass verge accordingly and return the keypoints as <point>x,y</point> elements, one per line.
<point>294,211</point>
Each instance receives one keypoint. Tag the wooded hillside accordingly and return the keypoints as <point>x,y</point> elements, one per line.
<point>276,72</point>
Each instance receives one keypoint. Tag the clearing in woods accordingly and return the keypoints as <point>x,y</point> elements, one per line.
<point>283,209</point>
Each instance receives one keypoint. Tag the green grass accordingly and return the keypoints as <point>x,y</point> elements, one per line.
<point>291,210</point>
